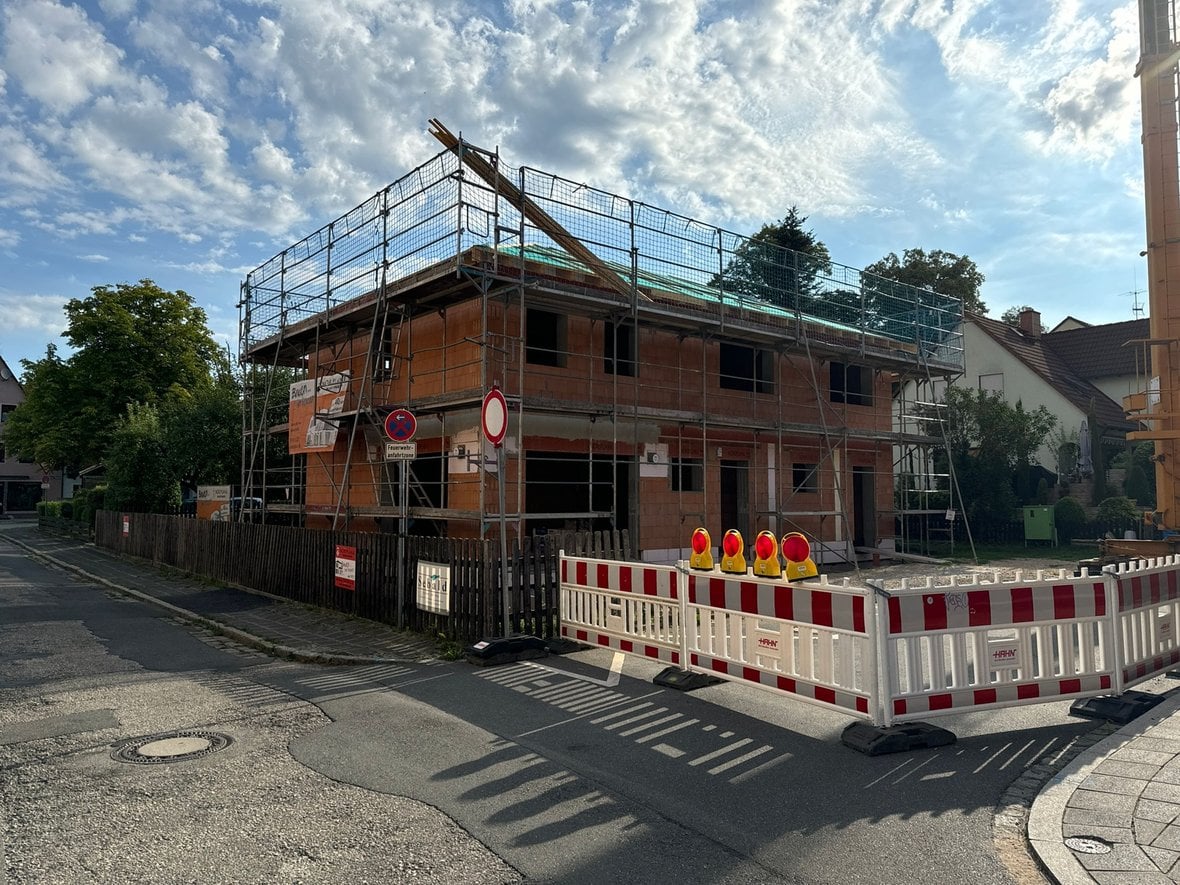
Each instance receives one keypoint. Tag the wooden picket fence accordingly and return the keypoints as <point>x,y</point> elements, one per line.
<point>299,564</point>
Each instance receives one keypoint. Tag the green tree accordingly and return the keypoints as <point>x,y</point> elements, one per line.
<point>943,272</point>
<point>202,432</point>
<point>989,442</point>
<point>141,477</point>
<point>36,429</point>
<point>779,264</point>
<point>132,344</point>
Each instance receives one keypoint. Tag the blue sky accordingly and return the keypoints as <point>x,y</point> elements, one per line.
<point>187,142</point>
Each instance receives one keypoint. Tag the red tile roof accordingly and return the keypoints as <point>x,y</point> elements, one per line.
<point>1045,360</point>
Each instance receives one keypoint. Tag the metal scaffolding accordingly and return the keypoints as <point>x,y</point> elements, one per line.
<point>639,339</point>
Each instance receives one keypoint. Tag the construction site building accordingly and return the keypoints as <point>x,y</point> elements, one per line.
<point>660,373</point>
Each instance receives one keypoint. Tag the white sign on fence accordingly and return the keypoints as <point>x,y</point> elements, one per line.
<point>1005,654</point>
<point>434,587</point>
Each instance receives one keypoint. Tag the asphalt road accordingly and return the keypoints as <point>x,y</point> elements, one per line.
<point>573,769</point>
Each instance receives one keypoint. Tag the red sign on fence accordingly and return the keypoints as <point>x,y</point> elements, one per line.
<point>345,567</point>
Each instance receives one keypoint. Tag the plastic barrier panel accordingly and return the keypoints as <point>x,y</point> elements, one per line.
<point>1148,610</point>
<point>629,607</point>
<point>813,641</point>
<point>954,647</point>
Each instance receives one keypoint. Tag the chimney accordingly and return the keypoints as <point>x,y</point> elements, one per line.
<point>1030,322</point>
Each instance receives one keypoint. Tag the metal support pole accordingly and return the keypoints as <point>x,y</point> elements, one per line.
<point>403,513</point>
<point>503,539</point>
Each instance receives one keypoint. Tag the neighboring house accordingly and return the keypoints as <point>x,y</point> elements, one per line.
<point>1077,371</point>
<point>650,386</point>
<point>22,483</point>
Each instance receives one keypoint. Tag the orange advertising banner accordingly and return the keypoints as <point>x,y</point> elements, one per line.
<point>211,500</point>
<point>312,404</point>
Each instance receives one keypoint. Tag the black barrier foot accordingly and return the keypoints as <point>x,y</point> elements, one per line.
<point>875,741</point>
<point>505,650</point>
<point>683,680</point>
<point>1117,708</point>
<point>559,645</point>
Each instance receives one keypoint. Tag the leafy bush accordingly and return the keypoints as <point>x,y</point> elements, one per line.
<point>1118,510</point>
<point>49,509</point>
<point>1069,517</point>
<point>1138,487</point>
<point>87,502</point>
<point>67,509</point>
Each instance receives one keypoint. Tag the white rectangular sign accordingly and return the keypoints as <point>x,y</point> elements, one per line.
<point>1004,654</point>
<point>434,587</point>
<point>401,451</point>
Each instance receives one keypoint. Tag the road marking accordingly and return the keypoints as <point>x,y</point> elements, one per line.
<point>758,769</point>
<point>656,712</point>
<point>709,757</point>
<point>889,772</point>
<point>585,715</point>
<point>989,759</point>
<point>670,752</point>
<point>659,734</point>
<point>915,768</point>
<point>938,775</point>
<point>733,763</point>
<point>646,725</point>
<point>1016,755</point>
<point>1041,752</point>
<point>616,671</point>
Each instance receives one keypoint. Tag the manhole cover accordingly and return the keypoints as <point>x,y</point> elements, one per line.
<point>1088,845</point>
<point>170,746</point>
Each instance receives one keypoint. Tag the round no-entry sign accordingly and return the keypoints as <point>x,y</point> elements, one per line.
<point>494,416</point>
<point>400,425</point>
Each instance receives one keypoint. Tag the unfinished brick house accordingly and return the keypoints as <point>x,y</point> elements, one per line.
<point>660,373</point>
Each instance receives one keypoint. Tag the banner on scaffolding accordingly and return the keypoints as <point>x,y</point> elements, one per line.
<point>313,406</point>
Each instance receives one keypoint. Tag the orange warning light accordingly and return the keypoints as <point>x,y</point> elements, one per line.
<point>702,550</point>
<point>766,562</point>
<point>732,546</point>
<point>797,553</point>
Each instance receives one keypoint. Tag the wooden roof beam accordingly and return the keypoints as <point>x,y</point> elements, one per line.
<point>534,213</point>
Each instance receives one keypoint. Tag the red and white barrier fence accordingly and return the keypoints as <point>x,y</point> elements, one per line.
<point>950,647</point>
<point>928,647</point>
<point>628,607</point>
<point>811,640</point>
<point>1148,610</point>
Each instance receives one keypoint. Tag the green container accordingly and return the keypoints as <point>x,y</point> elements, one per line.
<point>1039,525</point>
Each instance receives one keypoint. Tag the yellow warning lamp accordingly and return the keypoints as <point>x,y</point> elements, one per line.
<point>797,553</point>
<point>766,562</point>
<point>732,546</point>
<point>702,550</point>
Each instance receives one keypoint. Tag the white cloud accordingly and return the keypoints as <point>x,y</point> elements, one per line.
<point>25,168</point>
<point>118,8</point>
<point>1094,107</point>
<point>38,314</point>
<point>8,238</point>
<point>94,258</point>
<point>57,55</point>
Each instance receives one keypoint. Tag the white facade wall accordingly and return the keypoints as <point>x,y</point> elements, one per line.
<point>983,355</point>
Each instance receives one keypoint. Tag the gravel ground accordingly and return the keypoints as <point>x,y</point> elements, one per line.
<point>1005,570</point>
<point>248,813</point>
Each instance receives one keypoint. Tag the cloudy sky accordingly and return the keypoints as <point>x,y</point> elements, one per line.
<point>187,141</point>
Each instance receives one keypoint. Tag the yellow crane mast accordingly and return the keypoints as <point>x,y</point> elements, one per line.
<point>1158,72</point>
